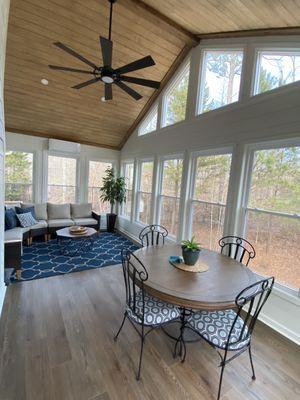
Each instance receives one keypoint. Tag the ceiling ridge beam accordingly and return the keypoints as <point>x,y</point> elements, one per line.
<point>290,30</point>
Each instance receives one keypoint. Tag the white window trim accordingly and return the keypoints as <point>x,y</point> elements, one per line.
<point>138,190</point>
<point>202,71</point>
<point>250,150</point>
<point>185,67</point>
<point>257,66</point>
<point>123,166</point>
<point>160,196</point>
<point>151,113</point>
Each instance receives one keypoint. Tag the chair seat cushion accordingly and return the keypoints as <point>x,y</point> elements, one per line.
<point>40,225</point>
<point>13,235</point>
<point>85,221</point>
<point>58,223</point>
<point>215,326</point>
<point>156,311</point>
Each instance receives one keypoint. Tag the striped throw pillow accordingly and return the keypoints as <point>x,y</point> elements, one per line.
<point>26,220</point>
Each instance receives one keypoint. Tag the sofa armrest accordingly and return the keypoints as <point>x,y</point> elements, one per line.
<point>97,217</point>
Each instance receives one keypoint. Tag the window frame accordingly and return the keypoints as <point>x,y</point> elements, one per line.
<point>122,170</point>
<point>201,81</point>
<point>77,178</point>
<point>250,150</point>
<point>146,119</point>
<point>34,171</point>
<point>160,196</point>
<point>186,66</point>
<point>191,201</point>
<point>256,68</point>
<point>138,190</point>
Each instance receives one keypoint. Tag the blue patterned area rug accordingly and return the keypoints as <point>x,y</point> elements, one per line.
<point>41,260</point>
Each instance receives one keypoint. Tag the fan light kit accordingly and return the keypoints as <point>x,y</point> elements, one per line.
<point>106,73</point>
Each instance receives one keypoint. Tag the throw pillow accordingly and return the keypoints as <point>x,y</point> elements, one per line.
<point>11,220</point>
<point>26,220</point>
<point>20,210</point>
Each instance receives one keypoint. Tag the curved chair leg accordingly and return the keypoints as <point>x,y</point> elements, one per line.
<point>251,362</point>
<point>122,324</point>
<point>141,355</point>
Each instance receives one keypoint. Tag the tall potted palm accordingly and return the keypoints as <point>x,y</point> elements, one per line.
<point>113,190</point>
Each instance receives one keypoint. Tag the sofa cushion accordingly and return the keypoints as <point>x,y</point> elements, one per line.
<point>26,220</point>
<point>39,208</point>
<point>58,211</point>
<point>13,235</point>
<point>85,221</point>
<point>58,223</point>
<point>11,220</point>
<point>23,210</point>
<point>81,210</point>
<point>40,225</point>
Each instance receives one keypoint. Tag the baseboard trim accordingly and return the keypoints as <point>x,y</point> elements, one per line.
<point>129,236</point>
<point>2,297</point>
<point>281,329</point>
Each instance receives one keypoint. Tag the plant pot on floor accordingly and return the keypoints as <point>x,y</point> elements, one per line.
<point>190,257</point>
<point>111,222</point>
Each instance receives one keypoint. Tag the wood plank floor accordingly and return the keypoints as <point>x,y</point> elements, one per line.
<point>56,342</point>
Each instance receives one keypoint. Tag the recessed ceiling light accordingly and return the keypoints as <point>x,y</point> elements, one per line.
<point>103,99</point>
<point>44,81</point>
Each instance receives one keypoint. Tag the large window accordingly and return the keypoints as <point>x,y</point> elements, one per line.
<point>18,176</point>
<point>61,179</point>
<point>221,78</point>
<point>208,204</point>
<point>128,169</point>
<point>275,69</point>
<point>169,198</point>
<point>175,99</point>
<point>96,173</point>
<point>150,122</point>
<point>144,192</point>
<point>273,214</point>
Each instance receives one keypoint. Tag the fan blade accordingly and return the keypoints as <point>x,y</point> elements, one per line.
<point>108,91</point>
<point>83,84</point>
<point>142,82</point>
<point>81,71</point>
<point>135,65</point>
<point>128,90</point>
<point>74,54</point>
<point>106,48</point>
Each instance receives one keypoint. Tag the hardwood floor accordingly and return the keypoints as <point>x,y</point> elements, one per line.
<point>56,342</point>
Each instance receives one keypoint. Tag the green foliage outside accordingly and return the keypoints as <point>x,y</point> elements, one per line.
<point>176,105</point>
<point>113,189</point>
<point>18,176</point>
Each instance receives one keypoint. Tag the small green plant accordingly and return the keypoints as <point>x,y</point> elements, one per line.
<point>190,244</point>
<point>113,189</point>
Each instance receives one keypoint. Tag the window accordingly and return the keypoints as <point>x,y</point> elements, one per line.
<point>221,78</point>
<point>176,98</point>
<point>275,69</point>
<point>144,192</point>
<point>211,178</point>
<point>273,214</point>
<point>169,198</point>
<point>61,179</point>
<point>96,173</point>
<point>150,123</point>
<point>128,169</point>
<point>18,176</point>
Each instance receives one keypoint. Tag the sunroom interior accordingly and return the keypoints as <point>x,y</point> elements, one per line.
<point>214,152</point>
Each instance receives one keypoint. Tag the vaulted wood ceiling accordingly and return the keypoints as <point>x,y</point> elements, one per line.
<point>164,29</point>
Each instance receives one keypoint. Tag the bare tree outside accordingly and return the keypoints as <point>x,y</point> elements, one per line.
<point>96,173</point>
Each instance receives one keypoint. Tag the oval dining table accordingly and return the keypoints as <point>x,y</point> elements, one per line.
<point>214,289</point>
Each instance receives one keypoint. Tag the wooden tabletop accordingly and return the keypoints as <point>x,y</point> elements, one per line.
<point>214,289</point>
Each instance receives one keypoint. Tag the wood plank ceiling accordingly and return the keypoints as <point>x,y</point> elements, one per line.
<point>164,29</point>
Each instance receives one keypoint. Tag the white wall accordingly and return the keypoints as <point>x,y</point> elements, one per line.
<point>39,146</point>
<point>266,117</point>
<point>4,9</point>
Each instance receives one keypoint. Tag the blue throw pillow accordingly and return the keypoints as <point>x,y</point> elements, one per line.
<point>10,218</point>
<point>20,210</point>
<point>26,219</point>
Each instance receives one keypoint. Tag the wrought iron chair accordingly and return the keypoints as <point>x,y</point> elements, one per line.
<point>238,248</point>
<point>153,235</point>
<point>141,308</point>
<point>227,330</point>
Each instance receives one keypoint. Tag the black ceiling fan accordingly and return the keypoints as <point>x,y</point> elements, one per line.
<point>106,73</point>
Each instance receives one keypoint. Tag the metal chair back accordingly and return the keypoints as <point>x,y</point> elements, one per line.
<point>238,248</point>
<point>153,235</point>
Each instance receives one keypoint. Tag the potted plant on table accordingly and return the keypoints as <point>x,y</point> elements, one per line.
<point>190,251</point>
<point>113,191</point>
